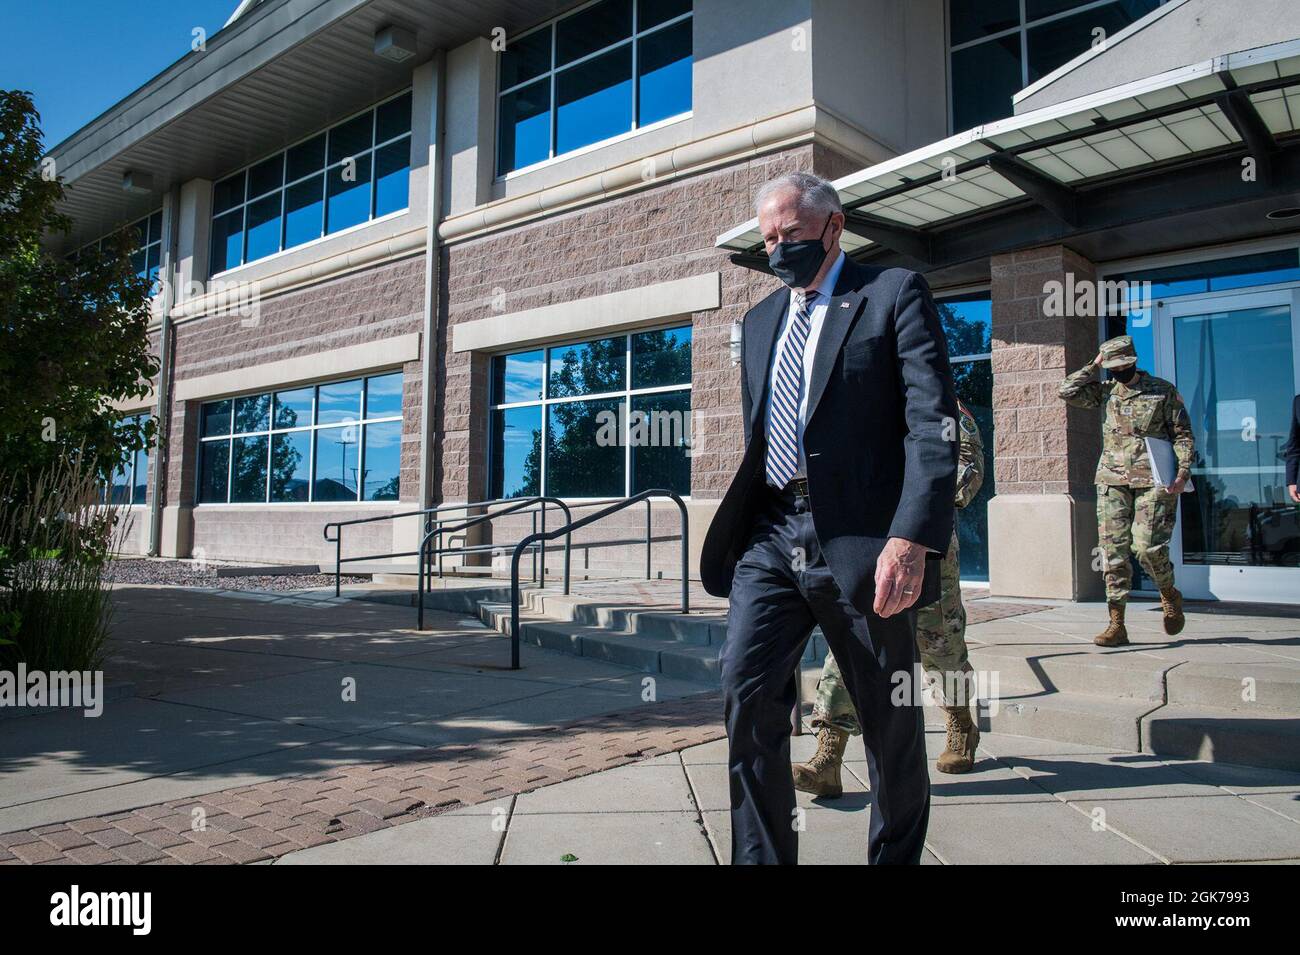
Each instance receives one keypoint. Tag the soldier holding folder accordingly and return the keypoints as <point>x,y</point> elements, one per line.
<point>1135,510</point>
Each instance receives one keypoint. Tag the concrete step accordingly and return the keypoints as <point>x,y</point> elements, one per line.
<point>466,600</point>
<point>1246,736</point>
<point>1247,687</point>
<point>397,570</point>
<point>1069,670</point>
<point>657,652</point>
<point>1085,718</point>
<point>267,570</point>
<point>648,654</point>
<point>1072,718</point>
<point>701,629</point>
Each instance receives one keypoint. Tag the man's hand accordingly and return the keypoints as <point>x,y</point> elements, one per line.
<point>1295,494</point>
<point>899,573</point>
<point>1180,482</point>
<point>1097,361</point>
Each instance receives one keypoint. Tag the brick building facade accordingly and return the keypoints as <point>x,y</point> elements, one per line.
<point>447,253</point>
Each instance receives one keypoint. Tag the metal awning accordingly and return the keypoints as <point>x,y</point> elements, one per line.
<point>1052,159</point>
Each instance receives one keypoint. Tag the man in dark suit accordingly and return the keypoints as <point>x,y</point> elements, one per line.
<point>837,517</point>
<point>1292,453</point>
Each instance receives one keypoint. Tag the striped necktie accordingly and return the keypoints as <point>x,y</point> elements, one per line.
<point>787,388</point>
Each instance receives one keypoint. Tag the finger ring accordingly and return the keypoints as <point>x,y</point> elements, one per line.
<point>907,593</point>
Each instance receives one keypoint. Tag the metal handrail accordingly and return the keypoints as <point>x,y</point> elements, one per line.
<point>337,539</point>
<point>518,504</point>
<point>572,526</point>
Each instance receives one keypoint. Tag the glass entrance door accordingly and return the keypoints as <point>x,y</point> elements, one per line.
<point>1233,357</point>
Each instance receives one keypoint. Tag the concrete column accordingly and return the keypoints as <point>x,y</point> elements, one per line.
<point>1042,522</point>
<point>193,234</point>
<point>470,150</point>
<point>194,230</point>
<point>427,171</point>
<point>162,305</point>
<point>177,533</point>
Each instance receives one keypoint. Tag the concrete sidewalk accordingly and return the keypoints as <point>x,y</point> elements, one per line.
<point>241,689</point>
<point>1026,803</point>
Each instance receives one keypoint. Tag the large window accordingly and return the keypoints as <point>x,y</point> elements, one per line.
<point>968,326</point>
<point>147,235</point>
<point>595,419</point>
<point>353,172</point>
<point>608,68</point>
<point>1140,290</point>
<point>998,47</point>
<point>340,441</point>
<point>130,481</point>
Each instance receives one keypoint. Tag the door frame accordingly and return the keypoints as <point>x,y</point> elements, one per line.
<point>1229,581</point>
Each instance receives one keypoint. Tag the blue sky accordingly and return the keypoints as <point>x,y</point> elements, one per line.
<point>79,57</point>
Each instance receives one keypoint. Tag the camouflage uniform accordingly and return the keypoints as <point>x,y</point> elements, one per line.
<point>940,626</point>
<point>1134,513</point>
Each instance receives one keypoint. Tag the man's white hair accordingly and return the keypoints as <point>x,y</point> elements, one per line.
<point>816,196</point>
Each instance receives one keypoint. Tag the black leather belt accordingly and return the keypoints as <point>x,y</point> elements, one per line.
<point>798,487</point>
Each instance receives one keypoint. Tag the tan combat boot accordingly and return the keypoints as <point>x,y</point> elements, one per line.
<point>821,774</point>
<point>963,738</point>
<point>1171,602</point>
<point>1116,634</point>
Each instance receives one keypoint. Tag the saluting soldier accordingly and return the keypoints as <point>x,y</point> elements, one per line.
<point>1135,514</point>
<point>941,639</point>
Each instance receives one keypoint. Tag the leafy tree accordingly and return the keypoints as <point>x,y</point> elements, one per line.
<point>73,342</point>
<point>73,334</point>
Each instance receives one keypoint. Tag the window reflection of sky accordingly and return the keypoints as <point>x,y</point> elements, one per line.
<point>518,431</point>
<point>518,378</point>
<point>384,396</point>
<point>382,461</point>
<point>339,402</point>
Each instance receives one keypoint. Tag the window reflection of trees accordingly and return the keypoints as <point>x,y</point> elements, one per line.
<point>967,327</point>
<point>590,404</point>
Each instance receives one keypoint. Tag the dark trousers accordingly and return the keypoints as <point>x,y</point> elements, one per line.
<point>781,590</point>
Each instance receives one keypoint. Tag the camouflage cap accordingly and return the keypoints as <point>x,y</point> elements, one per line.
<point>1118,353</point>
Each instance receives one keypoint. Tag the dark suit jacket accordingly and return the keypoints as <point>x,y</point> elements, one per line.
<point>1293,445</point>
<point>881,438</point>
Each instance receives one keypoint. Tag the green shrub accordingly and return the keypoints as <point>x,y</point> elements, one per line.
<point>55,540</point>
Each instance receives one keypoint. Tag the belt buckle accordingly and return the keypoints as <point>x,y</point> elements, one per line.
<point>798,487</point>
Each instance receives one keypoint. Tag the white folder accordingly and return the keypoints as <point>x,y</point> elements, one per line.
<point>1164,463</point>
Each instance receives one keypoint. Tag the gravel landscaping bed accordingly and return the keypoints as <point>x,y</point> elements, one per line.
<point>185,573</point>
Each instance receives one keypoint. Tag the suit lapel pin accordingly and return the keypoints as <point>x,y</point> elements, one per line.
<point>844,304</point>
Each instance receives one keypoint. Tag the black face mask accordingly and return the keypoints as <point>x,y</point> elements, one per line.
<point>1124,375</point>
<point>797,263</point>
